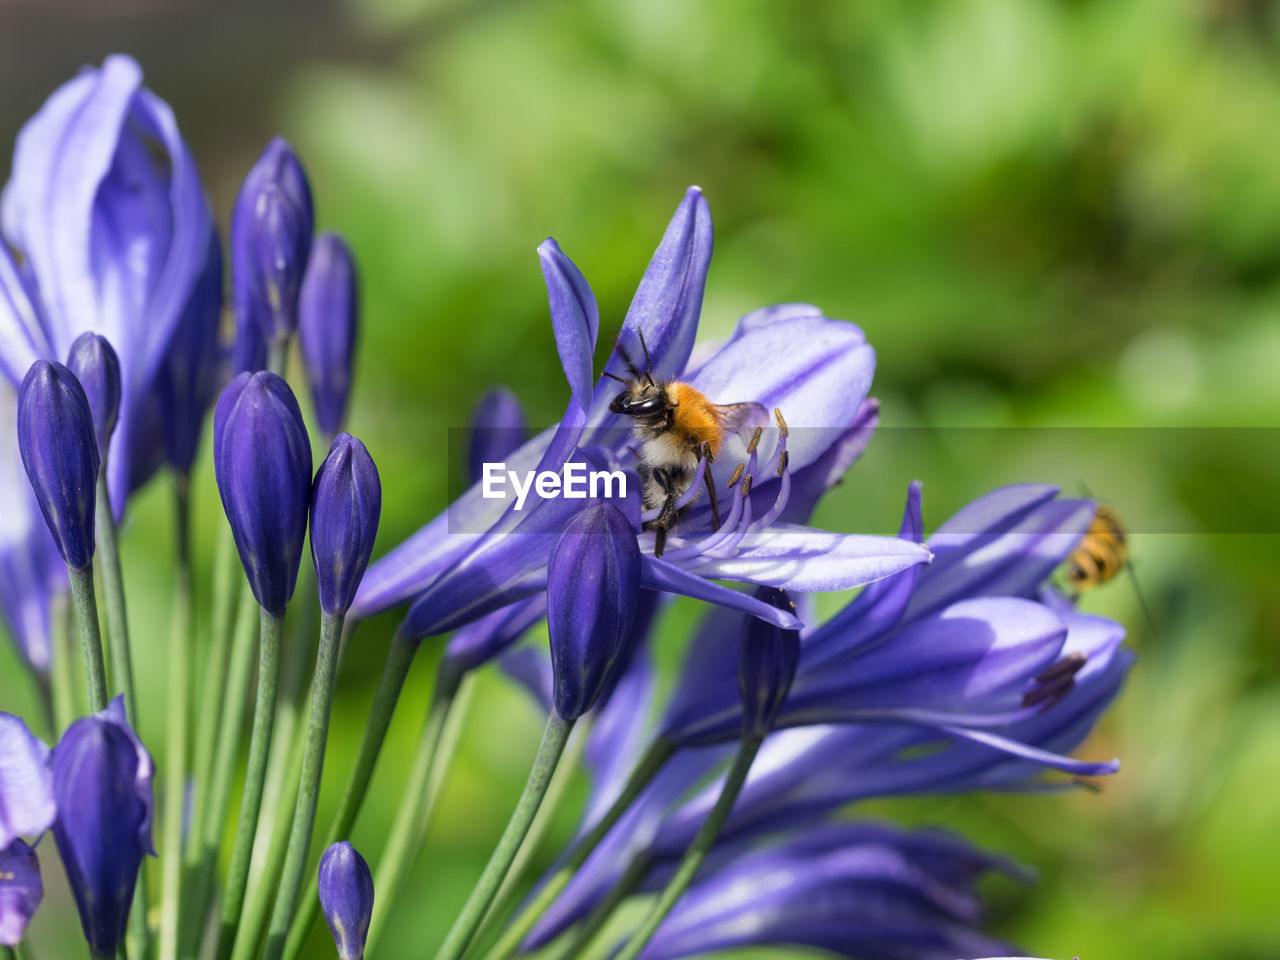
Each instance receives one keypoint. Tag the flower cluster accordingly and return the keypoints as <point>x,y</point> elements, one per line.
<point>959,665</point>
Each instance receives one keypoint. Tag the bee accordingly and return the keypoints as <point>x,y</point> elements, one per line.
<point>1101,554</point>
<point>675,426</point>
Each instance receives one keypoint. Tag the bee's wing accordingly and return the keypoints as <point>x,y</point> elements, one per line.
<point>742,418</point>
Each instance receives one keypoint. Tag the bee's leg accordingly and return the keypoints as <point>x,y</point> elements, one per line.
<point>667,517</point>
<point>711,489</point>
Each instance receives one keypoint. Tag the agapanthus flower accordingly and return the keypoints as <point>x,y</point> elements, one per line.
<point>498,429</point>
<point>346,896</point>
<point>856,889</point>
<point>483,554</point>
<point>93,361</point>
<point>102,784</point>
<point>328,319</point>
<point>1008,542</point>
<point>107,212</point>
<point>31,571</point>
<point>21,890</point>
<point>346,502</point>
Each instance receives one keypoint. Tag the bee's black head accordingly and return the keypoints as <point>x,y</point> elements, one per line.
<point>643,404</point>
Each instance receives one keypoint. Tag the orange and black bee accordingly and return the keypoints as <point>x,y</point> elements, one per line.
<point>675,426</point>
<point>1101,554</point>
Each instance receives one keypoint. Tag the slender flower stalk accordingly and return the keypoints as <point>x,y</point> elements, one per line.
<point>554,738</point>
<point>178,713</point>
<point>399,659</point>
<point>95,671</point>
<point>304,817</point>
<point>697,852</point>
<point>264,712</point>
<point>408,829</point>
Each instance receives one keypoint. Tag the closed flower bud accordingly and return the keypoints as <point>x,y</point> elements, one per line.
<point>346,501</point>
<point>328,311</point>
<point>102,783</point>
<point>60,453</point>
<point>270,241</point>
<point>593,586</point>
<point>97,367</point>
<point>262,461</point>
<point>21,891</point>
<point>498,429</point>
<point>346,896</point>
<point>767,658</point>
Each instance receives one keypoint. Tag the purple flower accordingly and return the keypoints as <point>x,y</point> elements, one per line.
<point>346,500</point>
<point>346,896</point>
<point>592,591</point>
<point>855,889</point>
<point>328,316</point>
<point>102,783</point>
<point>106,208</point>
<point>21,891</point>
<point>95,366</point>
<point>187,381</point>
<point>31,571</point>
<point>60,453</point>
<point>498,429</point>
<point>262,461</point>
<point>767,659</point>
<point>27,807</point>
<point>270,241</point>
<point>483,554</point>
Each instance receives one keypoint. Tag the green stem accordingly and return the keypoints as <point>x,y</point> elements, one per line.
<point>585,932</point>
<point>264,717</point>
<point>225,590</point>
<point>399,659</point>
<point>6,953</point>
<point>62,671</point>
<point>464,928</point>
<point>113,606</point>
<point>509,892</point>
<point>650,764</point>
<point>304,817</point>
<point>95,673</point>
<point>697,851</point>
<point>274,828</point>
<point>202,857</point>
<point>416,804</point>
<point>179,692</point>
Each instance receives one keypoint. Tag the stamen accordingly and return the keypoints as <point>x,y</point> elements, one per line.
<point>709,542</point>
<point>736,475</point>
<point>746,485</point>
<point>1069,665</point>
<point>695,485</point>
<point>1055,682</point>
<point>726,549</point>
<point>782,424</point>
<point>755,440</point>
<point>779,503</point>
<point>784,458</point>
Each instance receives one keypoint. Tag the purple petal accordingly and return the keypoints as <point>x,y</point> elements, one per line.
<point>21,891</point>
<point>27,806</point>
<point>23,340</point>
<point>658,574</point>
<point>574,319</point>
<point>793,557</point>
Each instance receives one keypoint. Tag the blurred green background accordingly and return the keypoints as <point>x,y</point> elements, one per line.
<point>1042,214</point>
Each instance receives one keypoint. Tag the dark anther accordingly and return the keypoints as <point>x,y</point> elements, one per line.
<point>1055,682</point>
<point>784,458</point>
<point>1068,666</point>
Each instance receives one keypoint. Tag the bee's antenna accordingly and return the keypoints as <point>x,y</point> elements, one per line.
<point>648,364</point>
<point>614,376</point>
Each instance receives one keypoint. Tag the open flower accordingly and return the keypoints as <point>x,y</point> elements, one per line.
<point>27,807</point>
<point>106,209</point>
<point>481,554</point>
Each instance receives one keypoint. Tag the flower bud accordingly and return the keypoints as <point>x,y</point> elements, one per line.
<point>26,786</point>
<point>97,367</point>
<point>21,891</point>
<point>262,461</point>
<point>346,500</point>
<point>498,429</point>
<point>60,453</point>
<point>328,310</point>
<point>767,658</point>
<point>346,896</point>
<point>593,586</point>
<point>187,380</point>
<point>270,241</point>
<point>102,783</point>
